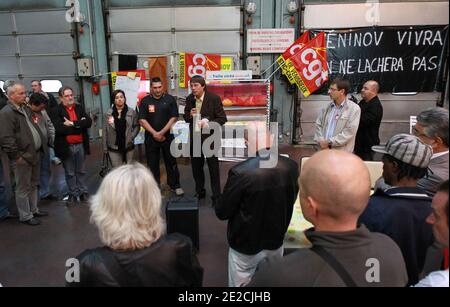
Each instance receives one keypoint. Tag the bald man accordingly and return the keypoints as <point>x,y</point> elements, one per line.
<point>369,126</point>
<point>342,253</point>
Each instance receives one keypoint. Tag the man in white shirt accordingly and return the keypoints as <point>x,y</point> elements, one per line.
<point>439,220</point>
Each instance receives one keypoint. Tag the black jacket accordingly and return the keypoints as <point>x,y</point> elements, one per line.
<point>369,127</point>
<point>81,126</point>
<point>212,109</point>
<point>401,214</point>
<point>258,202</point>
<point>169,262</point>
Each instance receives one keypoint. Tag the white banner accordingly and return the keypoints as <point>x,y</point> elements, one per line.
<point>233,75</point>
<point>269,40</point>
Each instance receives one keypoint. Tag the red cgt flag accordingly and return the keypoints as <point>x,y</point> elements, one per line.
<point>192,64</point>
<point>308,68</point>
<point>291,51</point>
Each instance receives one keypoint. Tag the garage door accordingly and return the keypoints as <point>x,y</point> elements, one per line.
<point>36,45</point>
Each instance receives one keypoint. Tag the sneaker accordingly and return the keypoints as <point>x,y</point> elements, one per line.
<point>179,192</point>
<point>72,200</point>
<point>31,222</point>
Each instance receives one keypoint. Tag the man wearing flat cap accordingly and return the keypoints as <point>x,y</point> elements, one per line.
<point>401,211</point>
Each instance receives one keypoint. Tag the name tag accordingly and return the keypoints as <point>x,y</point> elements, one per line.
<point>151,108</point>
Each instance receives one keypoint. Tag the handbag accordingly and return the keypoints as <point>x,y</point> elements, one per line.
<point>106,165</point>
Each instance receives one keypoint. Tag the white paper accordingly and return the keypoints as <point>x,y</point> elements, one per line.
<point>181,132</point>
<point>233,143</point>
<point>131,89</point>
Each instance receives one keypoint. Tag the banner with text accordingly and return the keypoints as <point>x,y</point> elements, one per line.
<point>197,64</point>
<point>401,59</point>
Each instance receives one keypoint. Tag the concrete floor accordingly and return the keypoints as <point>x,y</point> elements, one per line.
<point>36,256</point>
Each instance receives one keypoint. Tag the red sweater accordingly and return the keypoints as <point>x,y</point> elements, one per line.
<point>73,138</point>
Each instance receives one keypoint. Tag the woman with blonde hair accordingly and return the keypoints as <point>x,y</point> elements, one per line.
<point>120,129</point>
<point>127,212</point>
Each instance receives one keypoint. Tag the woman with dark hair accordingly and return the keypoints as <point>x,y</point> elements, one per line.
<point>120,129</point>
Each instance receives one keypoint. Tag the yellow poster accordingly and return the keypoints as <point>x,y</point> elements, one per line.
<point>227,64</point>
<point>182,71</point>
<point>113,79</point>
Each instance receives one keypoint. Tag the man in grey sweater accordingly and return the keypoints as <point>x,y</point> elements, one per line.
<point>342,253</point>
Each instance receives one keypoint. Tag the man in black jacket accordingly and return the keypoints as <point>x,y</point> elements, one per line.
<point>203,108</point>
<point>258,204</point>
<point>72,143</point>
<point>371,116</point>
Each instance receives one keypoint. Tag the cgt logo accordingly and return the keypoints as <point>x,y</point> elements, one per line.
<point>73,14</point>
<point>313,71</point>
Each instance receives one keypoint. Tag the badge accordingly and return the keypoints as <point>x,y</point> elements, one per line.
<point>35,119</point>
<point>151,108</point>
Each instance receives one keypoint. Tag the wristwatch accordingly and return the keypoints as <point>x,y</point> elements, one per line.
<point>330,145</point>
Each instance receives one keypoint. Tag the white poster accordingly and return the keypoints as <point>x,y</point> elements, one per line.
<point>234,75</point>
<point>131,88</point>
<point>269,40</point>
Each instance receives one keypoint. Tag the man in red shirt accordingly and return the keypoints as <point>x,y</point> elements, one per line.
<point>72,143</point>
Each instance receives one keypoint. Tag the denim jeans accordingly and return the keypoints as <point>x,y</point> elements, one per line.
<point>44,179</point>
<point>3,203</point>
<point>75,170</point>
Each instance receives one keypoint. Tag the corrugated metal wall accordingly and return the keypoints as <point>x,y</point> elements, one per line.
<point>36,45</point>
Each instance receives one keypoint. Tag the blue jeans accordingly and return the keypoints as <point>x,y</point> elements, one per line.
<point>75,170</point>
<point>3,203</point>
<point>44,178</point>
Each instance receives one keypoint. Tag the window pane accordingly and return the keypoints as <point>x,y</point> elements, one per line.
<point>51,86</point>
